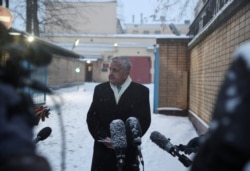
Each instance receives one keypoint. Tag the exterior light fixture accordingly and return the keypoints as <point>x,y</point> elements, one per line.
<point>77,70</point>
<point>30,38</point>
<point>76,43</point>
<point>15,33</point>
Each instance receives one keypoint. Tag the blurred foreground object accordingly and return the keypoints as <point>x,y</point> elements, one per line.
<point>6,17</point>
<point>192,146</point>
<point>227,146</point>
<point>17,149</point>
<point>17,115</point>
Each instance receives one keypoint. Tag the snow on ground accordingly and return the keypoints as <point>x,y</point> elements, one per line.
<point>78,145</point>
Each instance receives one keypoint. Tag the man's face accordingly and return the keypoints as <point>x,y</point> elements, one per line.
<point>117,75</point>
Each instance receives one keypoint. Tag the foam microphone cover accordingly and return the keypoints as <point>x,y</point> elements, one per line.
<point>133,129</point>
<point>160,140</point>
<point>118,134</point>
<point>44,133</point>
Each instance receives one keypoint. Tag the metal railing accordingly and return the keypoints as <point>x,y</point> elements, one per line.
<point>210,9</point>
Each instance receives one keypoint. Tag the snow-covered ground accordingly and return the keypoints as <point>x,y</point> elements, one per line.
<point>73,104</point>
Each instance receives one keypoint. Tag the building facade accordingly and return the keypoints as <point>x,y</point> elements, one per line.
<point>101,36</point>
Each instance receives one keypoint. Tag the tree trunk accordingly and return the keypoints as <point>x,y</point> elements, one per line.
<point>35,18</point>
<point>29,16</point>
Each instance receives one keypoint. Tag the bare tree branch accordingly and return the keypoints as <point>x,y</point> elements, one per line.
<point>34,14</point>
<point>164,9</point>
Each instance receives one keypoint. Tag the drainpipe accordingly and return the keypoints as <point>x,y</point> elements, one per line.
<point>156,77</point>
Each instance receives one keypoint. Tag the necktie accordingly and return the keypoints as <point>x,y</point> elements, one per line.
<point>119,88</point>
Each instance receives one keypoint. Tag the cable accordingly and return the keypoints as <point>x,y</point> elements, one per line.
<point>62,130</point>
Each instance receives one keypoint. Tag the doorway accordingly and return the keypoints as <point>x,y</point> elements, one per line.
<point>89,72</point>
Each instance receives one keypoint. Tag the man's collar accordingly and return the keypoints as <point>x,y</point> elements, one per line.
<point>126,83</point>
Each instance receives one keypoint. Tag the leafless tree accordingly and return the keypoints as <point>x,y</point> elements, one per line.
<point>162,8</point>
<point>36,14</point>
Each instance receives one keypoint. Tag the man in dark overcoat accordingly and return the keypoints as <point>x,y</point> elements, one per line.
<point>119,98</point>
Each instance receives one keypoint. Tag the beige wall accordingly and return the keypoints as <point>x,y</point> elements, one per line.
<point>61,72</point>
<point>210,59</point>
<point>155,28</point>
<point>98,38</point>
<point>103,46</point>
<point>85,17</point>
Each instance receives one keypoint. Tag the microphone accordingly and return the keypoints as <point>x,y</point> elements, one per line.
<point>119,140</point>
<point>43,134</point>
<point>36,85</point>
<point>165,144</point>
<point>133,129</point>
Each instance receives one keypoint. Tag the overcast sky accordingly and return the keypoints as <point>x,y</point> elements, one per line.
<point>176,13</point>
<point>126,9</point>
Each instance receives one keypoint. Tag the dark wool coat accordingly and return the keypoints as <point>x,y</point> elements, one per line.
<point>103,110</point>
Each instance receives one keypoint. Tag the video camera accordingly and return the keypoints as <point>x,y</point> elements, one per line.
<point>18,56</point>
<point>18,59</point>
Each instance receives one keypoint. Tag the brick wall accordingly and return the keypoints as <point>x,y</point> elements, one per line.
<point>210,59</point>
<point>173,73</point>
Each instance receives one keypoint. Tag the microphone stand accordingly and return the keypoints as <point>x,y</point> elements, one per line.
<point>140,156</point>
<point>120,164</point>
<point>137,143</point>
<point>120,160</point>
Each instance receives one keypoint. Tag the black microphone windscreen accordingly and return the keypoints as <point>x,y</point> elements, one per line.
<point>44,133</point>
<point>166,145</point>
<point>133,129</point>
<point>118,134</point>
<point>160,140</point>
<point>34,84</point>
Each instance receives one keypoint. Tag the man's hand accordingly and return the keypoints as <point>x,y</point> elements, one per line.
<point>42,112</point>
<point>186,149</point>
<point>107,142</point>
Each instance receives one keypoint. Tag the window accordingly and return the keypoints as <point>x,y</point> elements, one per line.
<point>157,32</point>
<point>135,32</point>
